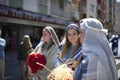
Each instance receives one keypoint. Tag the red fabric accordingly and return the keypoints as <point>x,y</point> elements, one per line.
<point>33,58</point>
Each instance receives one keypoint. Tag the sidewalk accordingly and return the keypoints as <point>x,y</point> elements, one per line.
<point>12,68</point>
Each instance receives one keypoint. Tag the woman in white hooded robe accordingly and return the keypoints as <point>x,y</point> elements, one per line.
<point>48,46</point>
<point>98,62</point>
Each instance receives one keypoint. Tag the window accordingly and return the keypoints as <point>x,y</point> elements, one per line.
<point>43,6</point>
<point>61,4</point>
<point>16,3</point>
<point>43,2</point>
<point>43,9</point>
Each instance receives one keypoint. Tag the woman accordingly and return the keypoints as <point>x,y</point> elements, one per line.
<point>71,45</point>
<point>24,48</point>
<point>48,46</point>
<point>98,62</point>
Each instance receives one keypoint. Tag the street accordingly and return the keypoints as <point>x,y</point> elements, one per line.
<point>12,68</point>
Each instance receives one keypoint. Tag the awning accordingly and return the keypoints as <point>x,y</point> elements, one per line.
<point>28,22</point>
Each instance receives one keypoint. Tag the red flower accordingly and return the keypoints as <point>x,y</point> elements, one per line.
<point>33,59</point>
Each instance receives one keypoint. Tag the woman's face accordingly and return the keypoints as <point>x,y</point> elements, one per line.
<point>82,35</point>
<point>46,36</point>
<point>73,36</point>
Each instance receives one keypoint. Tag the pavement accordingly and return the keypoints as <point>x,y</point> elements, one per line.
<point>13,70</point>
<point>12,67</point>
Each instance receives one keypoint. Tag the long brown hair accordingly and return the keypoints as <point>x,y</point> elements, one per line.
<point>27,41</point>
<point>67,46</point>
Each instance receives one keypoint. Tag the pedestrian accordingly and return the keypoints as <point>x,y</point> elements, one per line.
<point>48,46</point>
<point>98,62</point>
<point>25,48</point>
<point>71,45</point>
<point>2,57</point>
<point>114,41</point>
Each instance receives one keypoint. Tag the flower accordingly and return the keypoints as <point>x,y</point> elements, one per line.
<point>35,58</point>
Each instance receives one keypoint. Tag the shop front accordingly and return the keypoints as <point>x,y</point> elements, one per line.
<point>16,23</point>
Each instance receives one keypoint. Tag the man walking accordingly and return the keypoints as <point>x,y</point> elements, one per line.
<point>114,40</point>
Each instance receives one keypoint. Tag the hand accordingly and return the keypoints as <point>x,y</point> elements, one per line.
<point>71,63</point>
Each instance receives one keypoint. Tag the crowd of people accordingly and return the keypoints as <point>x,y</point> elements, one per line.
<point>84,54</point>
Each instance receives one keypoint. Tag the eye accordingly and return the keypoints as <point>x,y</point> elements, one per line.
<point>74,33</point>
<point>69,34</point>
<point>81,32</point>
<point>81,21</point>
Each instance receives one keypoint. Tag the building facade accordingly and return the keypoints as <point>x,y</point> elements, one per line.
<point>31,16</point>
<point>18,18</point>
<point>103,10</point>
<point>116,28</point>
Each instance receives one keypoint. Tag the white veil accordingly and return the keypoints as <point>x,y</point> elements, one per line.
<point>53,36</point>
<point>95,42</point>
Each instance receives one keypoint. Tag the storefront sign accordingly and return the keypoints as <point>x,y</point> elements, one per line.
<point>27,15</point>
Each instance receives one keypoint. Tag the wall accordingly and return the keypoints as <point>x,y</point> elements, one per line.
<point>30,5</point>
<point>91,8</point>
<point>116,28</point>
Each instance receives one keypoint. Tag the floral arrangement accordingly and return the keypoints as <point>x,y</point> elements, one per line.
<point>37,61</point>
<point>62,72</point>
<point>35,58</point>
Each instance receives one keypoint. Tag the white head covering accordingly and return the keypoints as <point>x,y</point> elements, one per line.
<point>95,42</point>
<point>73,25</point>
<point>53,35</point>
